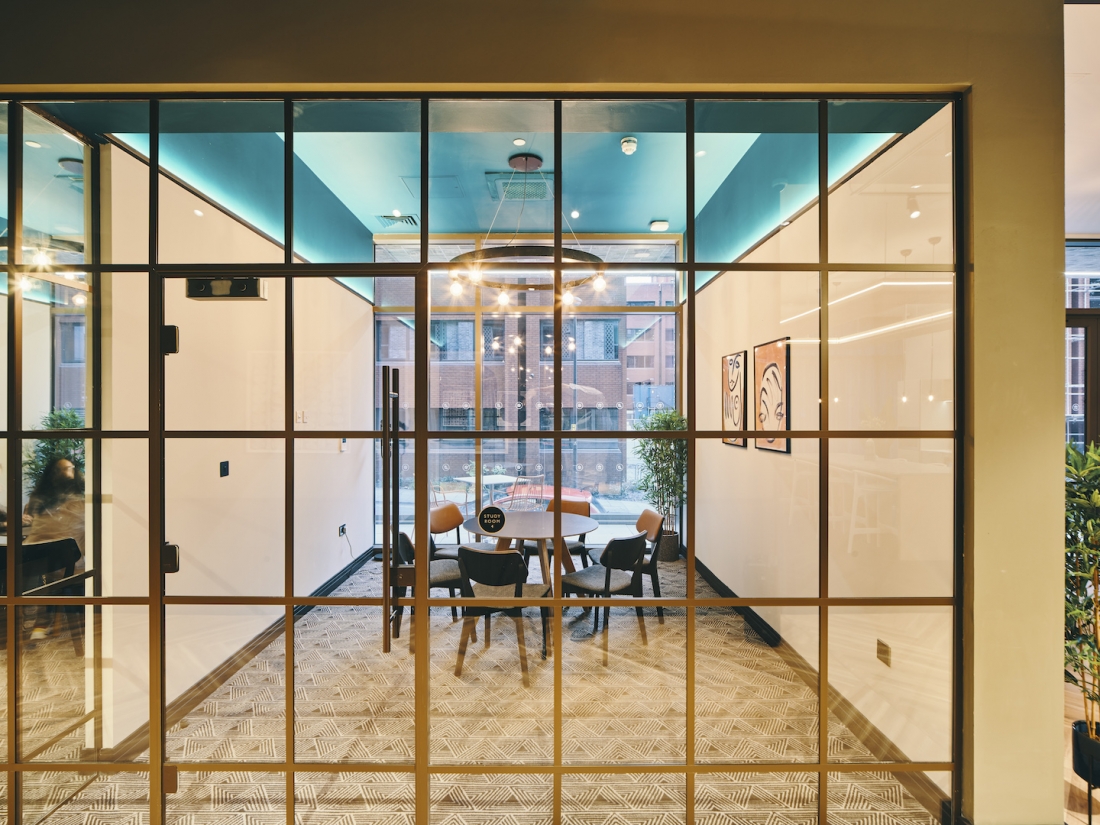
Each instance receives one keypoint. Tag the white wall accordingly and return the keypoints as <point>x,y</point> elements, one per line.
<point>890,501</point>
<point>228,375</point>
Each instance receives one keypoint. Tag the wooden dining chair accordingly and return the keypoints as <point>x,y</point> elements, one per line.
<point>441,573</point>
<point>573,547</point>
<point>619,572</point>
<point>652,524</point>
<point>489,574</point>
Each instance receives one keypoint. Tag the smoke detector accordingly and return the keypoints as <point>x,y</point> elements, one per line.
<point>629,144</point>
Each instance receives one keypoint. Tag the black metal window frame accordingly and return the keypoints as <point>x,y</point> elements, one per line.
<point>156,435</point>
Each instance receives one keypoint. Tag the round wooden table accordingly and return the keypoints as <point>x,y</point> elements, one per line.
<point>536,526</point>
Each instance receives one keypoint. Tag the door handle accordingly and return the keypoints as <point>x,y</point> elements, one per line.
<point>169,558</point>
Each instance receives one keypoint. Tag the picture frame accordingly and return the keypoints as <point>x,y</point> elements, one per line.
<point>771,393</point>
<point>735,396</point>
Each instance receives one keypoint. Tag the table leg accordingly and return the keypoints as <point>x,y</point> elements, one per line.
<point>504,545</point>
<point>566,559</point>
<point>544,561</point>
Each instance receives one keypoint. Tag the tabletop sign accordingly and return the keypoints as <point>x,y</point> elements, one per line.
<point>491,519</point>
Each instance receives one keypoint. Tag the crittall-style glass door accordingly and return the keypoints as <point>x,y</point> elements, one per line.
<point>442,459</point>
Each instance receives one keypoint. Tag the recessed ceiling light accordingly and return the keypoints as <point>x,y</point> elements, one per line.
<point>34,144</point>
<point>574,214</point>
<point>700,153</point>
<point>658,226</point>
<point>785,223</point>
<point>198,213</point>
<point>519,142</point>
<point>915,186</point>
<point>396,213</point>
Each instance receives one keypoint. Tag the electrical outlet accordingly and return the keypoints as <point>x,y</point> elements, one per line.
<point>223,469</point>
<point>343,530</point>
<point>300,417</point>
<point>883,652</point>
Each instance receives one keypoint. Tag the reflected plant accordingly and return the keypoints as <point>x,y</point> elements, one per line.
<point>664,477</point>
<point>38,455</point>
<point>1082,653</point>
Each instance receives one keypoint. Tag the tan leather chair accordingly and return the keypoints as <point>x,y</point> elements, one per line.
<point>652,524</point>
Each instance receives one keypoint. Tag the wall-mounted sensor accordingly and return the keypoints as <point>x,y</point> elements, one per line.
<point>629,145</point>
<point>248,289</point>
<point>223,469</point>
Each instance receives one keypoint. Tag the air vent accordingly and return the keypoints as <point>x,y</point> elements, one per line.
<point>519,186</point>
<point>404,220</point>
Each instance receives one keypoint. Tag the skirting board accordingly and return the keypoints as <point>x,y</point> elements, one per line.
<point>924,790</point>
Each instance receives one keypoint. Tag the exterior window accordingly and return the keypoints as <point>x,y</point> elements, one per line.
<point>639,362</point>
<point>594,339</point>
<point>641,334</point>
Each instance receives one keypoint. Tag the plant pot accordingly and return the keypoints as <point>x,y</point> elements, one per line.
<point>669,547</point>
<point>1086,754</point>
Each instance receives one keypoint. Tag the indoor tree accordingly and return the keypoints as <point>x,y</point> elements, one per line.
<point>664,479</point>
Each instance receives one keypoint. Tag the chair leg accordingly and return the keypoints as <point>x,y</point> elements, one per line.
<point>657,593</point>
<point>522,649</point>
<point>454,610</point>
<point>606,631</point>
<point>641,624</point>
<point>545,611</point>
<point>595,620</point>
<point>398,612</point>
<point>487,630</point>
<point>584,556</point>
<point>74,618</point>
<point>468,624</point>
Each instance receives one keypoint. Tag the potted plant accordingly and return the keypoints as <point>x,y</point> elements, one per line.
<point>1082,651</point>
<point>664,479</point>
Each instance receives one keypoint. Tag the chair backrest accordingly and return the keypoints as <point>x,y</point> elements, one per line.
<point>650,522</point>
<point>490,568</point>
<point>572,505</point>
<point>526,493</point>
<point>444,518</point>
<point>405,551</point>
<point>624,553</point>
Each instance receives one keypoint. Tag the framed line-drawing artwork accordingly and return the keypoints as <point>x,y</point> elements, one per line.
<point>734,396</point>
<point>772,389</point>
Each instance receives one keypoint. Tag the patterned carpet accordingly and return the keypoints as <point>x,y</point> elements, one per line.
<point>355,704</point>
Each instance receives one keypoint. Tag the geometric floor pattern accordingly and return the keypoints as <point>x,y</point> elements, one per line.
<point>622,703</point>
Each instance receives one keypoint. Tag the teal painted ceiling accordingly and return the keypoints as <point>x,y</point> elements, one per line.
<point>359,162</point>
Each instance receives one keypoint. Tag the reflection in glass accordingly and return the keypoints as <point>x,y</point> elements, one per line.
<point>226,687</point>
<point>604,799</point>
<point>231,350</point>
<point>55,796</point>
<point>756,797</point>
<point>613,153</point>
<point>891,517</point>
<point>890,172</point>
<point>353,703</point>
<point>900,796</point>
<point>640,661</point>
<point>354,798</point>
<point>57,351</point>
<point>901,712</point>
<point>756,701</point>
<point>459,799</point>
<point>64,649</point>
<point>124,343</point>
<point>491,178</point>
<point>54,176</point>
<point>224,504</point>
<point>224,202</point>
<point>756,181</point>
<point>122,567</point>
<point>757,528</point>
<point>1075,386</point>
<point>333,354</point>
<point>356,181</point>
<point>891,353</point>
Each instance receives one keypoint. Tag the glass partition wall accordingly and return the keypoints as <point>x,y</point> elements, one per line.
<point>699,354</point>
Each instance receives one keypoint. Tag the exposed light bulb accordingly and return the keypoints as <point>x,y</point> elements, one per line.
<point>25,283</point>
<point>475,276</point>
<point>904,399</point>
<point>40,258</point>
<point>930,398</point>
<point>599,284</point>
<point>69,276</point>
<point>456,288</point>
<point>496,344</point>
<point>503,299</point>
<point>574,214</point>
<point>548,350</point>
<point>836,400</point>
<point>517,341</point>
<point>567,298</point>
<point>79,300</point>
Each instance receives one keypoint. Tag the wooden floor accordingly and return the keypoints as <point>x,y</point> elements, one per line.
<point>1075,799</point>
